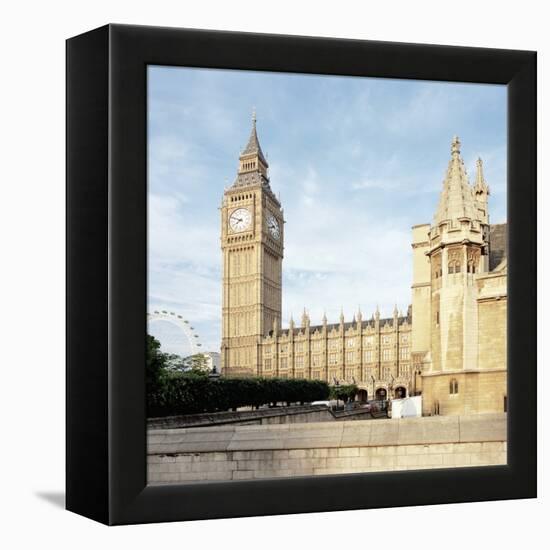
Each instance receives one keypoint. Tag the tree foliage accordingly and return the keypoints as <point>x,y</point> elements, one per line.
<point>193,392</point>
<point>344,393</point>
<point>174,391</point>
<point>197,362</point>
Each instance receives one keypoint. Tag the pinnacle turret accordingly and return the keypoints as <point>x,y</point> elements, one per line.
<point>481,192</point>
<point>457,199</point>
<point>480,187</point>
<point>252,162</point>
<point>253,145</point>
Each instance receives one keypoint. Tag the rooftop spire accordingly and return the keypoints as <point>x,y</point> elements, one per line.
<point>252,163</point>
<point>481,185</point>
<point>456,198</point>
<point>455,147</point>
<point>253,145</point>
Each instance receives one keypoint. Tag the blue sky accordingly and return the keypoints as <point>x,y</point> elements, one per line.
<point>356,162</point>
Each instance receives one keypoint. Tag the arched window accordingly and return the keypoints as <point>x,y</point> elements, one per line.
<point>454,266</point>
<point>453,386</point>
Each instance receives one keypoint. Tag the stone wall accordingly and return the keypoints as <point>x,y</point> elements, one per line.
<point>478,392</point>
<point>254,452</point>
<point>277,415</point>
<point>492,334</point>
<point>298,414</point>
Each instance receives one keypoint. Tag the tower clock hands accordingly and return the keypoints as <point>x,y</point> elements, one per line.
<point>240,219</point>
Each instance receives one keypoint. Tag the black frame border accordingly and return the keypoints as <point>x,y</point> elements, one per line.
<point>106,273</point>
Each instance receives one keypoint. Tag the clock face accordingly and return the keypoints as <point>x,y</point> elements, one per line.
<point>273,226</point>
<point>240,219</point>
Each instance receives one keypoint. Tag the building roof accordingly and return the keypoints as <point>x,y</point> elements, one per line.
<point>250,178</point>
<point>350,324</point>
<point>498,245</point>
<point>253,145</point>
<point>256,177</point>
<point>457,198</point>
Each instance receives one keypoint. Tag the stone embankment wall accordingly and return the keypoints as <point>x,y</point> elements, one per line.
<point>279,415</point>
<point>235,452</point>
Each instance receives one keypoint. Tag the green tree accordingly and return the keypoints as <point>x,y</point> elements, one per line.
<point>174,363</point>
<point>344,393</point>
<point>197,363</point>
<point>155,362</point>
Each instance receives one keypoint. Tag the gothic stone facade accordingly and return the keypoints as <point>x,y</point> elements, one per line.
<point>451,345</point>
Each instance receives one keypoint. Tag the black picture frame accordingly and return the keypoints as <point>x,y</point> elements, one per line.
<point>106,273</point>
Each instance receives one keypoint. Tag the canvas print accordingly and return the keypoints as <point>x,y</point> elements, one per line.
<point>327,275</point>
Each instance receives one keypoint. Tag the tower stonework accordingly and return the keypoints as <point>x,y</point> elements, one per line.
<point>457,248</point>
<point>252,251</point>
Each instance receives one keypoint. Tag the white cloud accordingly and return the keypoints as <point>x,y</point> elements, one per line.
<point>354,165</point>
<point>176,236</point>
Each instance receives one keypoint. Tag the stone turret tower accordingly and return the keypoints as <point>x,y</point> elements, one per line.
<point>458,242</point>
<point>456,249</point>
<point>252,251</point>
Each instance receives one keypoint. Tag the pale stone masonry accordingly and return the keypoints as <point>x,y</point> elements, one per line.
<point>254,452</point>
<point>464,366</point>
<point>450,345</point>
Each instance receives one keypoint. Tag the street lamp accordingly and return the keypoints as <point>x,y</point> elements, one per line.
<point>390,389</point>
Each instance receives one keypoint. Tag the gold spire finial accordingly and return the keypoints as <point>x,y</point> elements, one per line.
<point>254,115</point>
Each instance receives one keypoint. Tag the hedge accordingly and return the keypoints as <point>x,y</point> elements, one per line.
<point>193,393</point>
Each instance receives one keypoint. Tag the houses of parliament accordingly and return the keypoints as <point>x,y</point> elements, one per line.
<point>449,347</point>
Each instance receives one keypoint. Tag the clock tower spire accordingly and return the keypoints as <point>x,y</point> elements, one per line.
<point>252,251</point>
<point>252,162</point>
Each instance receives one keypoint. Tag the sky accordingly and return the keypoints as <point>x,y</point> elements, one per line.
<point>355,161</point>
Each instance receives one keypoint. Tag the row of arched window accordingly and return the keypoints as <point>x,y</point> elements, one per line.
<point>455,267</point>
<point>237,198</point>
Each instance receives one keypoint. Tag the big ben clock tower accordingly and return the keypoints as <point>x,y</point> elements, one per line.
<point>252,249</point>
